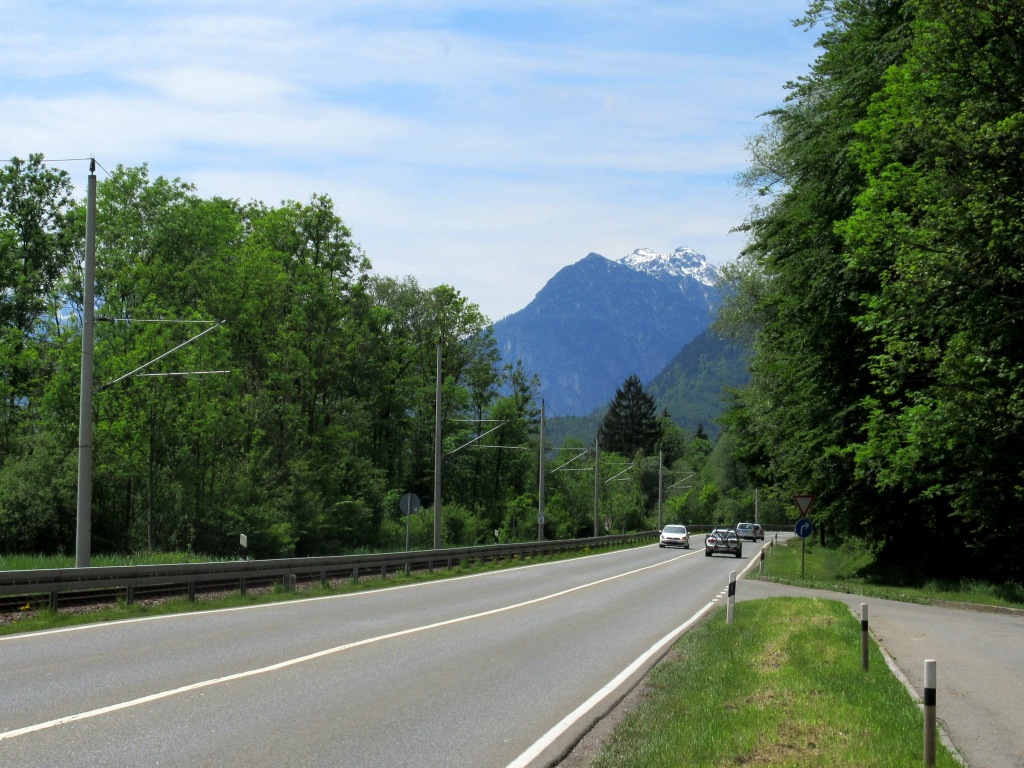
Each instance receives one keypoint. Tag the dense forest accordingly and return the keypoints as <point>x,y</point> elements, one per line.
<point>299,413</point>
<point>883,285</point>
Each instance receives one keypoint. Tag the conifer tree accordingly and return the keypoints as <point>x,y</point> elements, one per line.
<point>631,423</point>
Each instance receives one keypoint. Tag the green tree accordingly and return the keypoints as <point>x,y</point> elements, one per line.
<point>36,248</point>
<point>324,417</point>
<point>940,221</point>
<point>631,423</point>
<point>793,293</point>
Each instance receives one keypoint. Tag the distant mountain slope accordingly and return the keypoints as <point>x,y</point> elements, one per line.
<point>598,321</point>
<point>693,386</point>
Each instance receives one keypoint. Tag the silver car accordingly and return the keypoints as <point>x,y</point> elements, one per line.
<point>751,531</point>
<point>674,536</point>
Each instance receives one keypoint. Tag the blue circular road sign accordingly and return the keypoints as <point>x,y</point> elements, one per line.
<point>804,527</point>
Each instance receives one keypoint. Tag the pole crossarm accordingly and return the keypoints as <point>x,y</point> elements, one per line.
<point>681,481</point>
<point>156,320</point>
<point>478,437</point>
<point>570,461</point>
<point>682,489</point>
<point>620,473</point>
<point>180,373</point>
<point>165,354</point>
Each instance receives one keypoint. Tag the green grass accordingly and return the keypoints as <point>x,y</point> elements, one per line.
<point>842,569</point>
<point>783,686</point>
<point>33,562</point>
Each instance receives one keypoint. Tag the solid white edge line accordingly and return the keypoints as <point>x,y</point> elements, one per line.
<point>572,718</point>
<point>567,722</point>
<point>309,657</point>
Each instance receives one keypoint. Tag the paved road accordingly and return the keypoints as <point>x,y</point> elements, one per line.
<point>464,672</point>
<point>979,660</point>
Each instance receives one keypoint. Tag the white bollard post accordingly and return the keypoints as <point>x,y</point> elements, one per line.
<point>731,607</point>
<point>929,713</point>
<point>864,636</point>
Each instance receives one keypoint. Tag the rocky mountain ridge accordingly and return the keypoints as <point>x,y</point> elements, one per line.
<point>598,321</point>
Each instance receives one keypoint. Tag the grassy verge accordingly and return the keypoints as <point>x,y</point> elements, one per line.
<point>783,686</point>
<point>33,562</point>
<point>841,569</point>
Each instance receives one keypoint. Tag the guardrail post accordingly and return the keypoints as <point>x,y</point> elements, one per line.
<point>53,600</point>
<point>929,713</point>
<point>192,590</point>
<point>731,605</point>
<point>355,574</point>
<point>241,586</point>
<point>289,582</point>
<point>864,636</point>
<point>129,594</point>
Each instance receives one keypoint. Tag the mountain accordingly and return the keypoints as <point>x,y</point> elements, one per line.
<point>598,321</point>
<point>694,386</point>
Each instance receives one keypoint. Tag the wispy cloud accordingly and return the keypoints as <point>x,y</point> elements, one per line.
<point>480,143</point>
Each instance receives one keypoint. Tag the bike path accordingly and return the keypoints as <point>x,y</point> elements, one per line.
<point>979,659</point>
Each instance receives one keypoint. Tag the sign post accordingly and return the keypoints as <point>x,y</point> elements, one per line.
<point>409,503</point>
<point>804,527</point>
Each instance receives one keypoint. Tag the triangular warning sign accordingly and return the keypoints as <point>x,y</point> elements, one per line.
<point>803,503</point>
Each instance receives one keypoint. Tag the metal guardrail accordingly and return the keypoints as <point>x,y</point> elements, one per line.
<point>51,584</point>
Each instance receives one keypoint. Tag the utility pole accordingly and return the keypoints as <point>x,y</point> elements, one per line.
<point>83,526</point>
<point>660,464</point>
<point>540,484</point>
<point>437,452</point>
<point>597,481</point>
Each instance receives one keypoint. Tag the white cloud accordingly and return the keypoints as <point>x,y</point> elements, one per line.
<point>484,144</point>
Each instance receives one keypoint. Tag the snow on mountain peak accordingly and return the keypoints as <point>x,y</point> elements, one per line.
<point>681,263</point>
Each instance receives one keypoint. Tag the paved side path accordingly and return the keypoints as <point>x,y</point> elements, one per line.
<point>979,666</point>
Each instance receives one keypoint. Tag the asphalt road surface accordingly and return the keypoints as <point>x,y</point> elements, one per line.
<point>473,671</point>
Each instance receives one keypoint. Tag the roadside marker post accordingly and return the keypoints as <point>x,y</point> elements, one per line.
<point>864,636</point>
<point>730,610</point>
<point>929,713</point>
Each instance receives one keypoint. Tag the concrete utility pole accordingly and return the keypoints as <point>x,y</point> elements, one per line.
<point>660,464</point>
<point>597,481</point>
<point>83,526</point>
<point>540,484</point>
<point>437,452</point>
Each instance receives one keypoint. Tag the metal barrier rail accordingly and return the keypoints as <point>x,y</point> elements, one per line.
<point>51,583</point>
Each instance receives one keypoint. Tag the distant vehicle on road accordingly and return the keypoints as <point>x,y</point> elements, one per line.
<point>674,536</point>
<point>751,531</point>
<point>723,541</point>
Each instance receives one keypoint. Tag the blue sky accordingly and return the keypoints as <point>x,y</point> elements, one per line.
<point>481,144</point>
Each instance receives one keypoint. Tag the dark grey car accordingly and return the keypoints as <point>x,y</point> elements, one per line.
<point>723,541</point>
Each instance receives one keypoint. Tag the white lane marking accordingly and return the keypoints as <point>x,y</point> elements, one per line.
<point>545,741</point>
<point>298,601</point>
<point>310,657</point>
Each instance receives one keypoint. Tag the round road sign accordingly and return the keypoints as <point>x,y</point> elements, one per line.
<point>804,527</point>
<point>409,503</point>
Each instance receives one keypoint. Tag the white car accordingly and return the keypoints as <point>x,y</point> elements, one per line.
<point>674,536</point>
